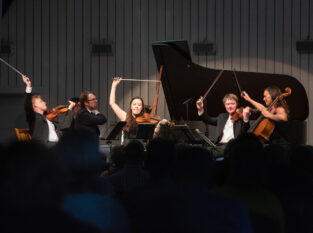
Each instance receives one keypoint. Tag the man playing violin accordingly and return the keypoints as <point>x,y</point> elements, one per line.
<point>88,117</point>
<point>226,128</point>
<point>42,129</point>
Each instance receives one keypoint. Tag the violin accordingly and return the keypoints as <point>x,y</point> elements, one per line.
<point>239,113</point>
<point>148,118</point>
<point>56,112</point>
<point>60,109</point>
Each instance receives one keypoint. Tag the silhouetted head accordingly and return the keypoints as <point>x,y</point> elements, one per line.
<point>160,156</point>
<point>79,150</point>
<point>134,152</point>
<point>302,158</point>
<point>195,166</point>
<point>31,177</point>
<point>246,160</point>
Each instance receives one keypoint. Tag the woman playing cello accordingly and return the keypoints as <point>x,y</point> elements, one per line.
<point>277,113</point>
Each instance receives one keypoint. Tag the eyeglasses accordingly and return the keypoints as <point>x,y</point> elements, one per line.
<point>93,99</point>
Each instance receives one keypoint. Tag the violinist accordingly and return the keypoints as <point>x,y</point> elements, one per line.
<point>226,128</point>
<point>278,113</point>
<point>61,112</point>
<point>42,129</point>
<point>88,117</point>
<point>136,109</point>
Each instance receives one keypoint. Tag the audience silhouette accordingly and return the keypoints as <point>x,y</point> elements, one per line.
<point>165,187</point>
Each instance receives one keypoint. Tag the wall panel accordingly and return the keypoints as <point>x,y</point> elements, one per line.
<point>129,49</point>
<point>4,70</point>
<point>111,35</point>
<point>244,30</point>
<point>20,41</point>
<point>70,48</point>
<point>54,81</point>
<point>52,40</point>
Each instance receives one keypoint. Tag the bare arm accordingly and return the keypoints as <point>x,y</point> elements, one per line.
<point>120,113</point>
<point>158,126</point>
<point>257,105</point>
<point>280,115</point>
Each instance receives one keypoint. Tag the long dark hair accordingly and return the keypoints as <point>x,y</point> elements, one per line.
<point>84,97</point>
<point>275,92</point>
<point>130,120</point>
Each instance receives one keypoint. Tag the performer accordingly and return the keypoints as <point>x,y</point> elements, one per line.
<point>278,113</point>
<point>136,109</point>
<point>226,128</point>
<point>42,129</point>
<point>88,117</point>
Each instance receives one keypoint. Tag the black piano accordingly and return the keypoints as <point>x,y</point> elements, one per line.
<point>184,81</point>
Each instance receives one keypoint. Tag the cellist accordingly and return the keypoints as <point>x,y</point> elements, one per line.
<point>136,109</point>
<point>278,113</point>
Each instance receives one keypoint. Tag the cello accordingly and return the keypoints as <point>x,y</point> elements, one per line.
<point>264,127</point>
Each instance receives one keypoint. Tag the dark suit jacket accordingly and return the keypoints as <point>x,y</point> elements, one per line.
<point>239,126</point>
<point>38,124</point>
<point>89,121</point>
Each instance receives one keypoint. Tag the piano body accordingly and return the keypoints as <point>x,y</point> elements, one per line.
<point>184,80</point>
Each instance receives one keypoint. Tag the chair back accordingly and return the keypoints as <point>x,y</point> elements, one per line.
<point>23,134</point>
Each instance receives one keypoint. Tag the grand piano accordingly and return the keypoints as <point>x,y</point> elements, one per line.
<point>184,81</point>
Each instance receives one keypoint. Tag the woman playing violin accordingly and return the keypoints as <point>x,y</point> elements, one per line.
<point>277,113</point>
<point>136,109</point>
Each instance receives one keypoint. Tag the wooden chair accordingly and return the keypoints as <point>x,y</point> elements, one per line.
<point>23,134</point>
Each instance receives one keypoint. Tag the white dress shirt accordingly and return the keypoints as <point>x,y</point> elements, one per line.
<point>53,137</point>
<point>228,131</point>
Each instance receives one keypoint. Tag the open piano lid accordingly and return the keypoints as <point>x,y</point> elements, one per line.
<point>182,80</point>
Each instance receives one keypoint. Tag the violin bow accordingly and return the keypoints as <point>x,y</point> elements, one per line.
<point>236,79</point>
<point>212,85</point>
<point>140,80</point>
<point>12,67</point>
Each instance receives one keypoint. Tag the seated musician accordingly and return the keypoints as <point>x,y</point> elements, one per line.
<point>42,129</point>
<point>278,113</point>
<point>226,128</point>
<point>88,116</point>
<point>136,109</point>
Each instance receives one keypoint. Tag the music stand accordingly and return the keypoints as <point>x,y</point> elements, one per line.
<point>183,131</point>
<point>116,130</point>
<point>144,131</point>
